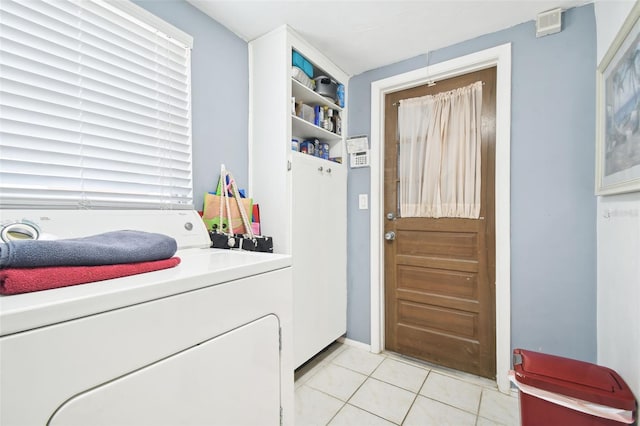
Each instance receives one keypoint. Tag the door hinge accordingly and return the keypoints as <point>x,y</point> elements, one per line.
<point>288,165</point>
<point>280,339</point>
<point>281,416</point>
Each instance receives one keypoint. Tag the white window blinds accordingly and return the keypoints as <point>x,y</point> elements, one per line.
<point>95,107</point>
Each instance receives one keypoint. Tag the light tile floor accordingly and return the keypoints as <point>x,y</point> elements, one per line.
<point>345,385</point>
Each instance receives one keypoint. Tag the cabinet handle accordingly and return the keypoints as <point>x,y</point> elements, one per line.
<point>329,170</point>
<point>320,169</point>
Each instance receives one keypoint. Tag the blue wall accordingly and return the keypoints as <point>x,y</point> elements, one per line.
<point>219,93</point>
<point>553,209</point>
<point>552,155</point>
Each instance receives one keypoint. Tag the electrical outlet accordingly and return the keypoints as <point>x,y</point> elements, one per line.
<point>363,201</point>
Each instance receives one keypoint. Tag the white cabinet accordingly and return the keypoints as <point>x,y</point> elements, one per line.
<point>319,254</point>
<point>302,198</point>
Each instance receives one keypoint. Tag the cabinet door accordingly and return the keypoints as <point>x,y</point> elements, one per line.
<point>319,254</point>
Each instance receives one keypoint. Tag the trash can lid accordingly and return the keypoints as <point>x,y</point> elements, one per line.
<point>573,378</point>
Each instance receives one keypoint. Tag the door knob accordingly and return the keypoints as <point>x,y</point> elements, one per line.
<point>390,236</point>
<point>391,216</point>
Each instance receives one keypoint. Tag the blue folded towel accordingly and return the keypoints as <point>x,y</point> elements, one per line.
<point>109,248</point>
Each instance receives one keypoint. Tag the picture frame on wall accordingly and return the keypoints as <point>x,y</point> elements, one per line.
<point>618,112</point>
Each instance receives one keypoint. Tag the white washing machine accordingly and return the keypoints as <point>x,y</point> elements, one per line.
<point>205,343</point>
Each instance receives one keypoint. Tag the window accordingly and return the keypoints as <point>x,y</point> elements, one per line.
<point>95,107</point>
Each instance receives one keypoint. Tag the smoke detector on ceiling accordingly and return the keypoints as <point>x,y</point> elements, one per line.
<point>549,22</point>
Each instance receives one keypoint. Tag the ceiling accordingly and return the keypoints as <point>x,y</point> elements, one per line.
<point>360,35</point>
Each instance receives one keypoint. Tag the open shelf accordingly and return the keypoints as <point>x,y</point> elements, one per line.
<point>321,161</point>
<point>305,95</point>
<point>304,129</point>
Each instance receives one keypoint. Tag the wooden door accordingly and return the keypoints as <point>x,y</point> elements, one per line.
<point>440,273</point>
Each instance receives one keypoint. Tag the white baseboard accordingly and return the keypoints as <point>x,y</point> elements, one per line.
<point>355,343</point>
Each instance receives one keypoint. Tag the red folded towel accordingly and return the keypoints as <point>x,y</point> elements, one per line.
<point>24,280</point>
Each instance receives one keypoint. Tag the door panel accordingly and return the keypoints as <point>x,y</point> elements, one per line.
<point>448,245</point>
<point>438,319</point>
<point>440,273</point>
<point>437,282</point>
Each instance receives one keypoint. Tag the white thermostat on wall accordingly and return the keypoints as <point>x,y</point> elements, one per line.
<point>359,159</point>
<point>358,149</point>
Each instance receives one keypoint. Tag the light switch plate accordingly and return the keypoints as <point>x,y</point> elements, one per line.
<point>363,201</point>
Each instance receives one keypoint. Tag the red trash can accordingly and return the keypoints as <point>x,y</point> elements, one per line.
<point>562,391</point>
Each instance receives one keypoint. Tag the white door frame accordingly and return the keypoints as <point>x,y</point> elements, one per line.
<point>499,56</point>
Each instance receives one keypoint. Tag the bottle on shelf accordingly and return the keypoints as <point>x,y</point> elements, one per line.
<point>319,118</point>
<point>324,150</point>
<point>337,123</point>
<point>328,119</point>
<point>308,147</point>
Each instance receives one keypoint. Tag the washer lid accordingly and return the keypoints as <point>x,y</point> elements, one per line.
<point>198,268</point>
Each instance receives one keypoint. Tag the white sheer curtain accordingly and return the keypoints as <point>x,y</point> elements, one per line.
<point>439,159</point>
